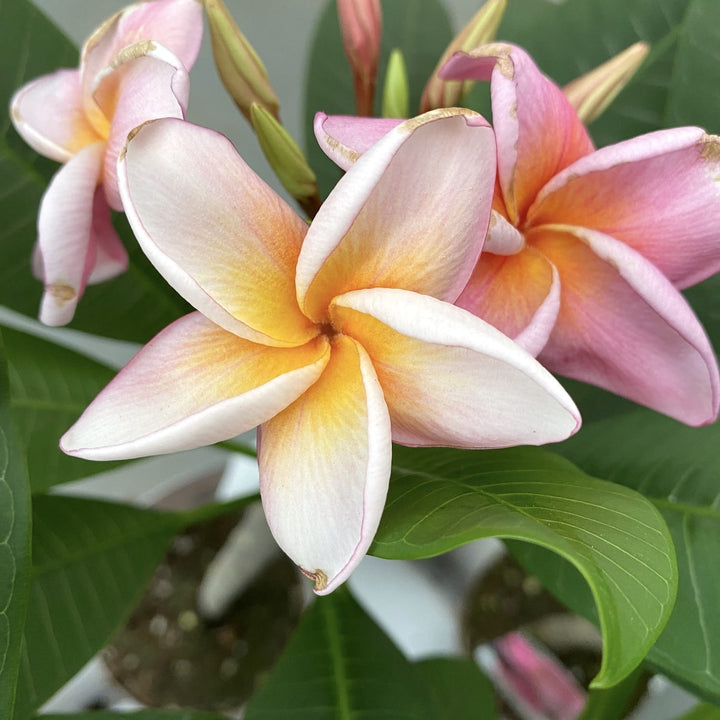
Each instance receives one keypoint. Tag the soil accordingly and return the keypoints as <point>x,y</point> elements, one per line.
<point>168,656</point>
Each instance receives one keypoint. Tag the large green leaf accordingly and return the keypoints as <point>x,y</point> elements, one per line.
<point>132,307</point>
<point>14,547</point>
<point>140,715</point>
<point>458,689</point>
<point>50,386</point>
<point>91,561</point>
<point>678,84</point>
<point>340,665</point>
<point>676,468</point>
<point>440,499</point>
<point>420,28</point>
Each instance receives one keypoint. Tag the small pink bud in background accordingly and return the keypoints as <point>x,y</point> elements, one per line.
<point>361,26</point>
<point>592,93</point>
<point>535,682</point>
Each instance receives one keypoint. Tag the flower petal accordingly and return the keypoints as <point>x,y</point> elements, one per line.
<point>65,234</point>
<point>518,294</point>
<point>175,24</point>
<point>503,238</point>
<point>344,138</point>
<point>144,82</point>
<point>624,327</point>
<point>48,115</point>
<point>538,132</point>
<point>325,466</point>
<point>451,379</point>
<point>110,256</point>
<point>194,384</point>
<point>411,213</point>
<point>658,193</point>
<point>217,233</point>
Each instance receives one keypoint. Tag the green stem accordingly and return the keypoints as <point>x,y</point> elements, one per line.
<point>612,703</point>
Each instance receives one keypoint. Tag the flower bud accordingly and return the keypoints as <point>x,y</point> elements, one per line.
<point>592,93</point>
<point>396,91</point>
<point>361,26</point>
<point>439,93</point>
<point>241,70</point>
<point>285,158</point>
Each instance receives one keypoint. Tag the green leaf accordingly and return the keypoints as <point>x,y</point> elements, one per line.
<point>14,547</point>
<point>458,688</point>
<point>340,665</point>
<point>702,712</point>
<point>91,561</point>
<point>134,306</point>
<point>676,468</point>
<point>694,96</point>
<point>440,499</point>
<point>704,299</point>
<point>140,715</point>
<point>50,386</point>
<point>419,28</point>
<point>679,82</point>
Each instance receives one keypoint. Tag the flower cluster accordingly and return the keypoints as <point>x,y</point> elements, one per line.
<point>412,308</point>
<point>133,68</point>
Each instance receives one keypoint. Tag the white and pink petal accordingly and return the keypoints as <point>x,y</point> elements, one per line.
<point>217,233</point>
<point>111,259</point>
<point>194,384</point>
<point>144,82</point>
<point>174,24</point>
<point>344,138</point>
<point>66,251</point>
<point>411,213</point>
<point>325,467</point>
<point>451,379</point>
<point>624,327</point>
<point>49,116</point>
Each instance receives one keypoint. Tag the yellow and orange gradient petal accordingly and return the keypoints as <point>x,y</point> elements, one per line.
<point>325,465</point>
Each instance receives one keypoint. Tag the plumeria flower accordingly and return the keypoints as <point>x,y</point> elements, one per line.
<point>588,249</point>
<point>132,69</point>
<point>335,339</point>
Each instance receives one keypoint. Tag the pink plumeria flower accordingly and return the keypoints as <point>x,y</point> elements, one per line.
<point>536,685</point>
<point>132,69</point>
<point>336,339</point>
<point>587,249</point>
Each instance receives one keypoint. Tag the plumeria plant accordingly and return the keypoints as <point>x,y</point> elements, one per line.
<point>487,241</point>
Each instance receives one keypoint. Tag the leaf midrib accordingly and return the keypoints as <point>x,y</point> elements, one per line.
<point>337,660</point>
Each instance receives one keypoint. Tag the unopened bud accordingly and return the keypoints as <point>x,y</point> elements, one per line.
<point>285,158</point>
<point>396,91</point>
<point>592,93</point>
<point>239,66</point>
<point>439,93</point>
<point>361,26</point>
